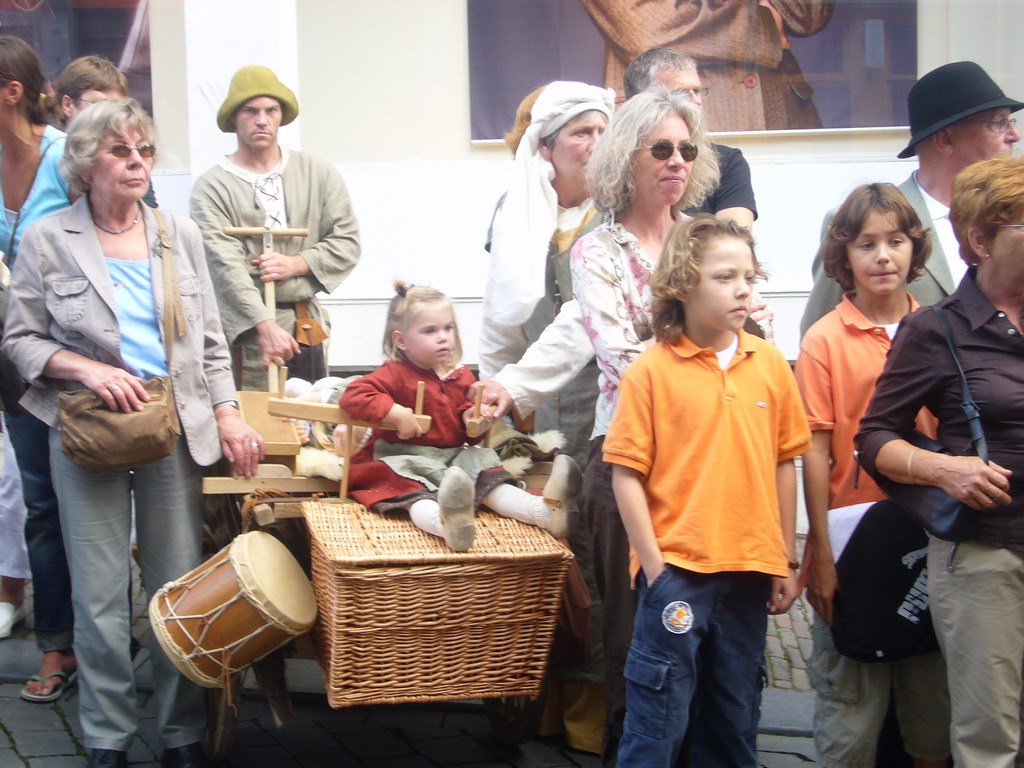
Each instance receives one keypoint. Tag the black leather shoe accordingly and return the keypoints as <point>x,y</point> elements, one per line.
<point>188,756</point>
<point>108,758</point>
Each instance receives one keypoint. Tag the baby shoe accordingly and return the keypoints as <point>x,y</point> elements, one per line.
<point>455,497</point>
<point>560,492</point>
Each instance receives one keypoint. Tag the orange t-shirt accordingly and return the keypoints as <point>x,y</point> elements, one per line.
<point>841,358</point>
<point>708,443</point>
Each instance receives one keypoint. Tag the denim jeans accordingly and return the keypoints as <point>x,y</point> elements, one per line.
<point>51,578</point>
<point>697,639</point>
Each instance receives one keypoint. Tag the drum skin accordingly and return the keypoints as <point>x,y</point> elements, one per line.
<point>241,604</point>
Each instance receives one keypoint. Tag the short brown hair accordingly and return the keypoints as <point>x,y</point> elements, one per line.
<point>90,73</point>
<point>678,270</point>
<point>402,304</point>
<point>849,222</point>
<point>986,195</point>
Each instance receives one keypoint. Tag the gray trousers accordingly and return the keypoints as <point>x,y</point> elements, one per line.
<point>96,511</point>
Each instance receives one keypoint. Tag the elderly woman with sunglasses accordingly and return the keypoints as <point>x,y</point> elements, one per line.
<point>976,587</point>
<point>653,162</point>
<point>85,311</point>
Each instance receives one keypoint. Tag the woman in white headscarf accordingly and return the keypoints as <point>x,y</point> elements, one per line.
<point>534,352</point>
<point>532,345</point>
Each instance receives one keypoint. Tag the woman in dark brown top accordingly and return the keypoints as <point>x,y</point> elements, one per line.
<point>976,587</point>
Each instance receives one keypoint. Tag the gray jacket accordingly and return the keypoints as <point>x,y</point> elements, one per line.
<point>934,284</point>
<point>62,298</point>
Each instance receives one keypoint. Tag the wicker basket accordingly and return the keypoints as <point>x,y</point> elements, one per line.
<point>402,618</point>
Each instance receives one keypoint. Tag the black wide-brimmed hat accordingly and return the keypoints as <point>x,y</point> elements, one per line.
<point>950,93</point>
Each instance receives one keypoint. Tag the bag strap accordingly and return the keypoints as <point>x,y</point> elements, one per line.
<point>970,408</point>
<point>172,298</point>
<point>174,312</point>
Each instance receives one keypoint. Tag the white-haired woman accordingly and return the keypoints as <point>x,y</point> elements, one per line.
<point>653,162</point>
<point>84,312</point>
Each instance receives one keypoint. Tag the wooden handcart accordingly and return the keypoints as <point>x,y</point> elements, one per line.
<point>402,618</point>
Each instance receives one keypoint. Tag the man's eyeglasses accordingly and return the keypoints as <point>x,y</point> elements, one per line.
<point>90,101</point>
<point>693,93</point>
<point>124,150</point>
<point>995,126</point>
<point>662,150</point>
<point>1011,226</point>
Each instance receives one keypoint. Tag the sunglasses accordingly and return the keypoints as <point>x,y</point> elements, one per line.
<point>662,150</point>
<point>124,150</point>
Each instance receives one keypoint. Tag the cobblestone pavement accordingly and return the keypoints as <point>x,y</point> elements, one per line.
<point>427,736</point>
<point>788,648</point>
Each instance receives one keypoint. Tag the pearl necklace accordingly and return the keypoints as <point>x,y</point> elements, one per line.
<point>130,227</point>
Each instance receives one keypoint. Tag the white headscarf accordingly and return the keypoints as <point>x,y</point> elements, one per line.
<point>529,215</point>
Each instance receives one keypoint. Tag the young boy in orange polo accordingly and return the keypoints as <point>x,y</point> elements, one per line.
<point>706,428</point>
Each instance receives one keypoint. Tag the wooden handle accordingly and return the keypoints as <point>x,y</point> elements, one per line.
<point>332,414</point>
<point>270,301</point>
<point>270,287</point>
<point>259,232</point>
<point>420,388</point>
<point>476,426</point>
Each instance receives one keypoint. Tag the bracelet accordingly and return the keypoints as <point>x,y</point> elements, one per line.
<point>910,466</point>
<point>794,565</point>
<point>222,403</point>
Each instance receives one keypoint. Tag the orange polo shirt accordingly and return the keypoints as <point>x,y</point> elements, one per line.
<point>841,358</point>
<point>708,442</point>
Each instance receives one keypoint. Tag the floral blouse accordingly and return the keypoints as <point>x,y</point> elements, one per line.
<point>611,278</point>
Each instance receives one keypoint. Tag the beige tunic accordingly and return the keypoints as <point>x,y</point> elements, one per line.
<point>315,197</point>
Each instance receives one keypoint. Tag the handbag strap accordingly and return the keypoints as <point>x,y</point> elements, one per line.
<point>970,408</point>
<point>174,312</point>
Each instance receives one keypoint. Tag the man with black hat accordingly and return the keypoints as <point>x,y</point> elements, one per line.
<point>958,116</point>
<point>264,184</point>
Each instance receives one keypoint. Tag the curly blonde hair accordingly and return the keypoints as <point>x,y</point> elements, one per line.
<point>403,304</point>
<point>610,170</point>
<point>678,270</point>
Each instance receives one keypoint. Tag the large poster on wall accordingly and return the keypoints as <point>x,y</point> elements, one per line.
<point>769,64</point>
<point>62,30</point>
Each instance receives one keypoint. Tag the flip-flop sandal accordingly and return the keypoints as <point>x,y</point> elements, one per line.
<point>64,681</point>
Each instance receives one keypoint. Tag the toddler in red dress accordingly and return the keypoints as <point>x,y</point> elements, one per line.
<point>442,475</point>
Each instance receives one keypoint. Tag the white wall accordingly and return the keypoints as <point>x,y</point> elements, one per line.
<point>383,92</point>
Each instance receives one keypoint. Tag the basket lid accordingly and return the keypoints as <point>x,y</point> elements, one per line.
<point>351,535</point>
<point>273,580</point>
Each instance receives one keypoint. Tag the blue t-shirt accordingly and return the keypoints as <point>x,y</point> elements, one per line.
<point>49,193</point>
<point>142,348</point>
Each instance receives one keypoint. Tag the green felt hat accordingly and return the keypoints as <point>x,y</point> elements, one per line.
<point>250,82</point>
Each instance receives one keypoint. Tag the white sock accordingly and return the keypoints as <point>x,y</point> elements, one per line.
<point>512,501</point>
<point>426,515</point>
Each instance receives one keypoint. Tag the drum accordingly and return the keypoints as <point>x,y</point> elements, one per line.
<point>241,604</point>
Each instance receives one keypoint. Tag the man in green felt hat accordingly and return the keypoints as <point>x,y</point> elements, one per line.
<point>264,184</point>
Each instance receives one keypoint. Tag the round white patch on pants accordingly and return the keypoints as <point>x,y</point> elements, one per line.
<point>677,617</point>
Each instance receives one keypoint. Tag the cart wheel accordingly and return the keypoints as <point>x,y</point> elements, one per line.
<point>515,718</point>
<point>221,714</point>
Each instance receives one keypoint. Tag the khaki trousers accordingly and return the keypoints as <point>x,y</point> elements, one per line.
<point>978,610</point>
